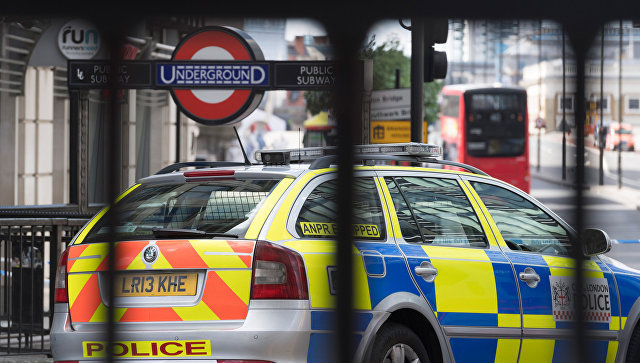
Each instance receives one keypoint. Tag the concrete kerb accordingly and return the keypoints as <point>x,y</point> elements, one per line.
<point>625,195</point>
<point>564,183</point>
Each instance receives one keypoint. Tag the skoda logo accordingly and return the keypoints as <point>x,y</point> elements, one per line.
<point>150,254</point>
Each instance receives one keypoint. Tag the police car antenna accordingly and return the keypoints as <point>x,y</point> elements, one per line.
<point>244,153</point>
<point>299,146</point>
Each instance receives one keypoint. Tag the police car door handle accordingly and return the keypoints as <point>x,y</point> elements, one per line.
<point>426,271</point>
<point>530,277</point>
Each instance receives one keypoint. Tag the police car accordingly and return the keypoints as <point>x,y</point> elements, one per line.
<point>236,263</point>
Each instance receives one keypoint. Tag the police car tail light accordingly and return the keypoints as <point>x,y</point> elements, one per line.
<point>61,279</point>
<point>200,175</point>
<point>278,273</point>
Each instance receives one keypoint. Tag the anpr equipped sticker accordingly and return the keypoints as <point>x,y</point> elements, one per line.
<point>331,229</point>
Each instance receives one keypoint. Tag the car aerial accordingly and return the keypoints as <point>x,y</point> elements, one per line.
<point>235,263</point>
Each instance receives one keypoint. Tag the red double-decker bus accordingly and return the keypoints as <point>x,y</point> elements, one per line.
<point>486,126</point>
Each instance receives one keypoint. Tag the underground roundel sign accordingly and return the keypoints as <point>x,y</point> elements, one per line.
<point>217,107</point>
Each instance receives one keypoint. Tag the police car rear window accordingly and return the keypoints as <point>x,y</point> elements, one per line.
<point>215,207</point>
<point>317,218</point>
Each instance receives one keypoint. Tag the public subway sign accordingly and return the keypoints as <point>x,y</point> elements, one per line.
<point>304,75</point>
<point>91,74</point>
<point>216,76</point>
<point>266,75</point>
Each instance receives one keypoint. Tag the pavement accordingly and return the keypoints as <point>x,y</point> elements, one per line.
<point>550,170</point>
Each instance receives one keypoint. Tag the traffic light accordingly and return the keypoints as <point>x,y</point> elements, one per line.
<point>435,62</point>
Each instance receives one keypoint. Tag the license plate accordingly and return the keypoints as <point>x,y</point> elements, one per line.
<point>165,284</point>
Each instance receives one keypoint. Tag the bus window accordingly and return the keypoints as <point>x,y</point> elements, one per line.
<point>450,105</point>
<point>495,124</point>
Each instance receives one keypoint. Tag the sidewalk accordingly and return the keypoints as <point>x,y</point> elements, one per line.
<point>551,170</point>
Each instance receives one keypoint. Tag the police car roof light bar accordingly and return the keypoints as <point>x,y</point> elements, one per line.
<point>327,161</point>
<point>397,149</point>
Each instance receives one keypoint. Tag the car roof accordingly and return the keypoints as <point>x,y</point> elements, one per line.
<point>259,171</point>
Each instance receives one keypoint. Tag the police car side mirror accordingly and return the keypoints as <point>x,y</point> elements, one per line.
<point>595,242</point>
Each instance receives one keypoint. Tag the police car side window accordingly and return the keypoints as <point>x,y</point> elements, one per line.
<point>523,226</point>
<point>317,218</point>
<point>408,226</point>
<point>435,211</point>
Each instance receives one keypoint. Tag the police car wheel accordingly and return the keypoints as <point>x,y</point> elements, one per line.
<point>395,343</point>
<point>633,352</point>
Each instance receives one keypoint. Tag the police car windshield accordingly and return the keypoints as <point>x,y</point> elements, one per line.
<point>212,208</point>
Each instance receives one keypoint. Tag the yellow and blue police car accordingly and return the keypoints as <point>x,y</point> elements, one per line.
<point>236,263</point>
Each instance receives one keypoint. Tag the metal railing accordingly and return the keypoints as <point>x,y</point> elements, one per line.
<point>29,251</point>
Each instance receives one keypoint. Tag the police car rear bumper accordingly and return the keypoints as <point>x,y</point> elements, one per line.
<point>275,330</point>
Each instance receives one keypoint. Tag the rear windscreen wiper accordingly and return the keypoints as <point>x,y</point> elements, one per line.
<point>180,232</point>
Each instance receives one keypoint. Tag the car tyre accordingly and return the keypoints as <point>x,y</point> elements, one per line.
<point>633,351</point>
<point>395,343</point>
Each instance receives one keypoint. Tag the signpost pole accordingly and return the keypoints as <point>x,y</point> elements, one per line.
<point>83,152</point>
<point>417,78</point>
<point>600,143</point>
<point>74,121</point>
<point>538,149</point>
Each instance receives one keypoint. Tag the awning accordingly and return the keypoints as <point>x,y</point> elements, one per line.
<point>320,122</point>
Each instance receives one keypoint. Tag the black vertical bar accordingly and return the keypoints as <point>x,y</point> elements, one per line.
<point>4,278</point>
<point>53,267</point>
<point>347,38</point>
<point>486,50</point>
<point>178,134</point>
<point>580,175</point>
<point>539,88</point>
<point>398,78</point>
<point>517,67</point>
<point>33,272</point>
<point>600,144</point>
<point>20,330</point>
<point>563,104</point>
<point>620,107</point>
<point>114,159</point>
<point>74,117</point>
<point>417,78</point>
<point>500,55</point>
<point>581,39</point>
<point>9,286</point>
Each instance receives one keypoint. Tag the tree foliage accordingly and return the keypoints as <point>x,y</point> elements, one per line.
<point>387,57</point>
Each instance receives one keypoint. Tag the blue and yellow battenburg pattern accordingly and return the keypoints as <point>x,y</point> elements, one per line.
<point>475,288</point>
